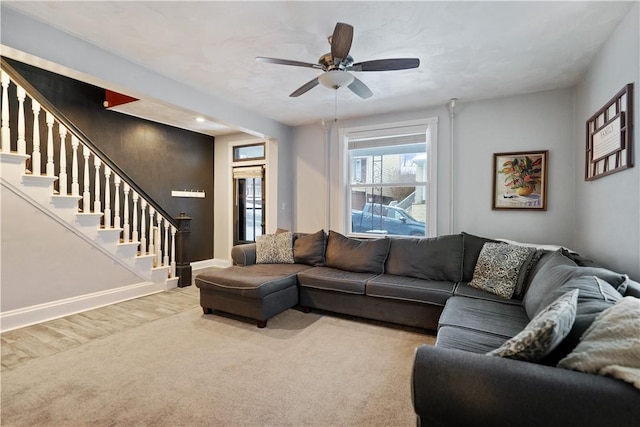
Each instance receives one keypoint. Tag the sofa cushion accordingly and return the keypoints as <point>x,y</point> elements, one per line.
<point>595,296</point>
<point>275,248</point>
<point>611,345</point>
<point>557,271</point>
<point>472,246</point>
<point>309,249</point>
<point>543,333</point>
<point>253,281</point>
<point>464,290</point>
<point>498,267</point>
<point>359,256</point>
<point>467,340</point>
<point>438,258</point>
<point>335,280</point>
<point>410,289</point>
<point>491,317</point>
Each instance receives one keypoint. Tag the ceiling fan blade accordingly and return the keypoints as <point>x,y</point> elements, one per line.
<point>360,89</point>
<point>287,62</point>
<point>386,64</point>
<point>305,88</point>
<point>341,42</point>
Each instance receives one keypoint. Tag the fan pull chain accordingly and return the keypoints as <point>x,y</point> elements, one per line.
<point>335,113</point>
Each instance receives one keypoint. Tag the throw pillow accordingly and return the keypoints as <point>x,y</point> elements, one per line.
<point>275,248</point>
<point>595,296</point>
<point>472,247</point>
<point>309,249</point>
<point>498,267</point>
<point>525,272</point>
<point>543,333</point>
<point>611,345</point>
<point>358,256</point>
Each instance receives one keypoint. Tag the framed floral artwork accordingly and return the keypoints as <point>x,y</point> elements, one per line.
<point>520,180</point>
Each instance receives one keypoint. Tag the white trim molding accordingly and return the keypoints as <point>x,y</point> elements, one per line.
<point>26,316</point>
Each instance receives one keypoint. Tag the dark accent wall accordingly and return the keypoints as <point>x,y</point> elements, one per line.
<point>159,158</point>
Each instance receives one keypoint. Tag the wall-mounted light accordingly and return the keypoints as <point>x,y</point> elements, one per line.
<point>200,119</point>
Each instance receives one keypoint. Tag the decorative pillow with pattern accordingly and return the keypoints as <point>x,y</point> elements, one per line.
<point>543,333</point>
<point>498,267</point>
<point>275,248</point>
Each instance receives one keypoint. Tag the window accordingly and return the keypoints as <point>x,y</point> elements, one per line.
<point>391,173</point>
<point>243,153</point>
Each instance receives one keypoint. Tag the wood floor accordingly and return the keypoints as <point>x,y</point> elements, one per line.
<point>54,336</point>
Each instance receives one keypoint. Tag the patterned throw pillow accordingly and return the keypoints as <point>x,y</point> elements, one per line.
<point>543,333</point>
<point>275,248</point>
<point>498,267</point>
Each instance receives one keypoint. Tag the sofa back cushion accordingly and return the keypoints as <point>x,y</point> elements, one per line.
<point>438,258</point>
<point>472,245</point>
<point>310,248</point>
<point>358,256</point>
<point>557,271</point>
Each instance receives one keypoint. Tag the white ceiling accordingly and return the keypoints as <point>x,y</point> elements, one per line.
<point>468,50</point>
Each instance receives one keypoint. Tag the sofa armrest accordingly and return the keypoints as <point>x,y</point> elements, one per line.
<point>454,387</point>
<point>244,255</point>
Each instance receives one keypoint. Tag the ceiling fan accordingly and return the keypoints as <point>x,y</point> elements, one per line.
<point>338,62</point>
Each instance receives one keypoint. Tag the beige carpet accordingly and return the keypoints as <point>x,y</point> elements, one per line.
<point>189,369</point>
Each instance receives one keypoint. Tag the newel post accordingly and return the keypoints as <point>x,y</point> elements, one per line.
<point>183,265</point>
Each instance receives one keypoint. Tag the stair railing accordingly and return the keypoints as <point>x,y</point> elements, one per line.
<point>130,202</point>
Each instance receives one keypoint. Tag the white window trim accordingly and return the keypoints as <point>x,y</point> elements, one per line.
<point>342,198</point>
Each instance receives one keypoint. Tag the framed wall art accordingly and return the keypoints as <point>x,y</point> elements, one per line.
<point>520,180</point>
<point>609,137</point>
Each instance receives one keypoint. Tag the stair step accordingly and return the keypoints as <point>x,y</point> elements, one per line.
<point>160,274</point>
<point>62,201</point>
<point>39,180</point>
<point>109,235</point>
<point>128,250</point>
<point>89,219</point>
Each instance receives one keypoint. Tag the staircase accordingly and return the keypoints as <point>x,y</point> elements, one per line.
<point>136,233</point>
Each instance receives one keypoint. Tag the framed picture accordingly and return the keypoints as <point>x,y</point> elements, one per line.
<point>520,180</point>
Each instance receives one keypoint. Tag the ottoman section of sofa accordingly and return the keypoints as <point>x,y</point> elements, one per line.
<point>258,291</point>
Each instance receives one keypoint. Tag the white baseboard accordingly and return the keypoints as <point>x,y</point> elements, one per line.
<point>22,317</point>
<point>214,262</point>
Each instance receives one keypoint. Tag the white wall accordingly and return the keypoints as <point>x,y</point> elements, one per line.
<point>43,262</point>
<point>528,122</point>
<point>538,121</point>
<point>607,219</point>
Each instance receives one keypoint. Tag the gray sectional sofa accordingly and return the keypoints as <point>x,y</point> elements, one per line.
<point>427,283</point>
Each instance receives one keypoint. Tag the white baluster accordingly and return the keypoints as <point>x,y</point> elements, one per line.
<point>97,206</point>
<point>36,161</point>
<point>107,197</point>
<point>86,184</point>
<point>143,230</point>
<point>22,143</point>
<point>158,239</point>
<point>134,234</point>
<point>165,247</point>
<point>125,226</point>
<point>116,201</point>
<point>75,185</point>
<point>173,251</point>
<point>50,166</point>
<point>62,176</point>
<point>152,236</point>
<point>6,133</point>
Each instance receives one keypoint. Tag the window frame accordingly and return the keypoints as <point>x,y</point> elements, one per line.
<point>343,208</point>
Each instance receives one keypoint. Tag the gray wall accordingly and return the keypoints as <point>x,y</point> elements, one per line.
<point>607,214</point>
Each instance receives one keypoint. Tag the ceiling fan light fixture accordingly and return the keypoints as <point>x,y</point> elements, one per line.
<point>335,79</point>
